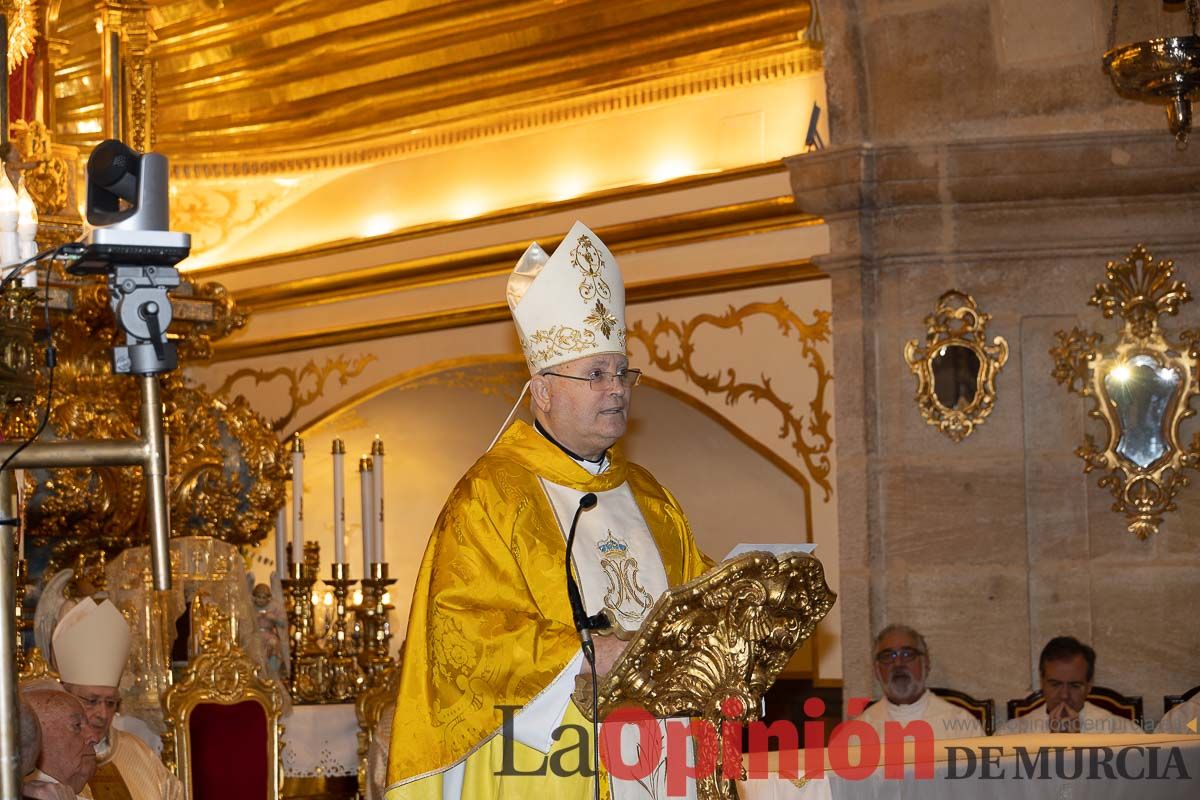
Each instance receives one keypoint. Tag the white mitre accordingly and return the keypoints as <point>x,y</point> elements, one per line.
<point>569,305</point>
<point>91,644</point>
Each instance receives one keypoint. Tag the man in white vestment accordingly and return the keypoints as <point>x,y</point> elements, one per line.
<point>492,656</point>
<point>67,758</point>
<point>902,667</point>
<point>1067,667</point>
<point>1183,718</point>
<point>91,645</point>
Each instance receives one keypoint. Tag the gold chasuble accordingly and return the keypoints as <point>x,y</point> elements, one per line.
<point>490,624</point>
<point>132,771</point>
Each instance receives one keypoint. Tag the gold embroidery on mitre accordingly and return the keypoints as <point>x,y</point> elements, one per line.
<point>557,341</point>
<point>625,596</point>
<point>587,258</point>
<point>603,319</point>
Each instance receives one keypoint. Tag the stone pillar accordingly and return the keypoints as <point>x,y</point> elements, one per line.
<point>980,146</point>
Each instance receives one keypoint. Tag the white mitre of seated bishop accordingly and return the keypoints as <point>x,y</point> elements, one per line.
<point>568,305</point>
<point>91,644</point>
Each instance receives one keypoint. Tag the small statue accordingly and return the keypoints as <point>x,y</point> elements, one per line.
<point>271,628</point>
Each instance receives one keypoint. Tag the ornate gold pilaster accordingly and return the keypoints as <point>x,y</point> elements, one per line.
<point>128,74</point>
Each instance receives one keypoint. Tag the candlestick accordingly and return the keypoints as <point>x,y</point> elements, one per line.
<point>377,497</point>
<point>281,541</point>
<point>345,677</point>
<point>297,499</point>
<point>339,502</point>
<point>366,485</point>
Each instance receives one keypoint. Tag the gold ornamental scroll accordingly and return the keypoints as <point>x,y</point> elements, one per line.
<point>722,637</point>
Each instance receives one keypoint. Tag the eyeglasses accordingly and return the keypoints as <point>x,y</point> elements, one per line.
<point>599,380</point>
<point>902,656</point>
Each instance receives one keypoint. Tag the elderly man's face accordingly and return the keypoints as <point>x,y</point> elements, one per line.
<point>901,667</point>
<point>68,742</point>
<point>584,420</point>
<point>1065,682</point>
<point>100,705</point>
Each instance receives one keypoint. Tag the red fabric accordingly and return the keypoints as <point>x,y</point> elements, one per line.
<point>22,90</point>
<point>229,752</point>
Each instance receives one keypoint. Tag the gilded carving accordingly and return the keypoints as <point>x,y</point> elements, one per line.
<point>1141,389</point>
<point>224,675</point>
<point>809,433</point>
<point>305,386</point>
<point>225,465</point>
<point>22,30</point>
<point>47,176</point>
<point>712,647</point>
<point>956,368</point>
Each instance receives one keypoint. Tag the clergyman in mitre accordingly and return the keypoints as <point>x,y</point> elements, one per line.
<point>492,653</point>
<point>91,645</point>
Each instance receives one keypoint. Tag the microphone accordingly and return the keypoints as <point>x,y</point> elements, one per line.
<point>583,623</point>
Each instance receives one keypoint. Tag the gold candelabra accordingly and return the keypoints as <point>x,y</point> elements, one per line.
<point>336,664</point>
<point>308,660</point>
<point>373,656</point>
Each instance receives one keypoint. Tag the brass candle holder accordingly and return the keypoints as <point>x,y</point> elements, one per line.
<point>374,656</point>
<point>308,659</point>
<point>345,678</point>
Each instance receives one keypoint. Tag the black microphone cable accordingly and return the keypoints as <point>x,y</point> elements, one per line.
<point>584,625</point>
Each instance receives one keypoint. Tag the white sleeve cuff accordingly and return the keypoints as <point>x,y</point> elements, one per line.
<point>533,725</point>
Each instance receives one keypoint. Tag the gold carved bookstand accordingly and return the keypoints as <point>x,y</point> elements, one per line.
<point>723,636</point>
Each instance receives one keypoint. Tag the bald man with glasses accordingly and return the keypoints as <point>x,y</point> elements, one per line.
<point>901,659</point>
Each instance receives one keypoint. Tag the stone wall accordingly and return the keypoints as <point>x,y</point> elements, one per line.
<point>979,146</point>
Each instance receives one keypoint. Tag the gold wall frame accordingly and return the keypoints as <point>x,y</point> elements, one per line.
<point>1141,389</point>
<point>956,368</point>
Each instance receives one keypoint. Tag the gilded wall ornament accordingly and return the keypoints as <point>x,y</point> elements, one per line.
<point>809,433</point>
<point>956,368</point>
<point>1141,388</point>
<point>305,386</point>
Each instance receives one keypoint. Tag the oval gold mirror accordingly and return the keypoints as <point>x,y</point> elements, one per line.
<point>956,368</point>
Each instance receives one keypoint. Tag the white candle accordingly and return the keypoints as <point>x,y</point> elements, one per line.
<point>297,499</point>
<point>281,541</point>
<point>377,495</point>
<point>366,485</point>
<point>339,502</point>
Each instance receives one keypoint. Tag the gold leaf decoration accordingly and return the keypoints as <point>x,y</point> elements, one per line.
<point>809,434</point>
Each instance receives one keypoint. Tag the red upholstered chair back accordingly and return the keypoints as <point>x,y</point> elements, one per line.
<point>229,753</point>
<point>222,727</point>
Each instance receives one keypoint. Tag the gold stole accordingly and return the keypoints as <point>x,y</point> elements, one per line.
<point>107,784</point>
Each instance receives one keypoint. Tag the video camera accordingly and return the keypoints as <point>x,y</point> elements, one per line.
<point>128,207</point>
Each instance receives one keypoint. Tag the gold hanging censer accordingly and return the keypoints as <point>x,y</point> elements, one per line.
<point>1142,388</point>
<point>1167,68</point>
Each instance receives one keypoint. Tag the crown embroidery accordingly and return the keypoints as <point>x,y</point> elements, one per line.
<point>612,547</point>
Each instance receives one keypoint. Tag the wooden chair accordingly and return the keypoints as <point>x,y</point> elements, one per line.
<point>1109,699</point>
<point>222,727</point>
<point>1172,700</point>
<point>370,707</point>
<point>982,710</point>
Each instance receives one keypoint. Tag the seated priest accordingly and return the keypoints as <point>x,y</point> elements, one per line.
<point>91,645</point>
<point>67,758</point>
<point>492,652</point>
<point>1067,667</point>
<point>1183,718</point>
<point>901,659</point>
<point>29,750</point>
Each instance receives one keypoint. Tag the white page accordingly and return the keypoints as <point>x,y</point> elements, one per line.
<point>774,549</point>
